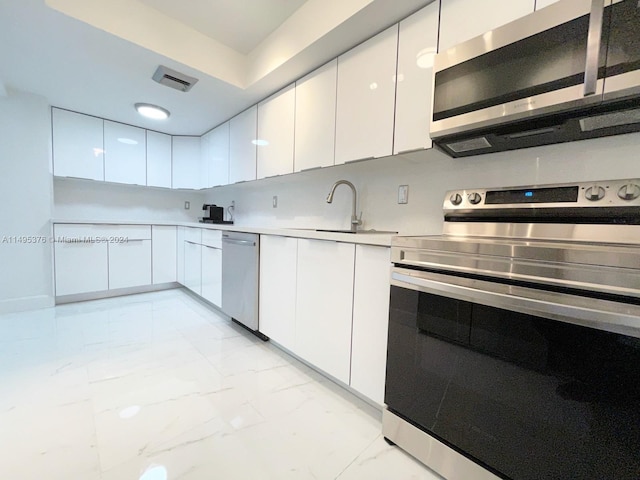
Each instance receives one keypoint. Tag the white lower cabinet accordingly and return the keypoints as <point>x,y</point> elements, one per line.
<point>180,255</point>
<point>370,321</point>
<point>323,305</point>
<point>211,268</point>
<point>193,266</point>
<point>164,253</point>
<point>278,278</point>
<point>129,264</point>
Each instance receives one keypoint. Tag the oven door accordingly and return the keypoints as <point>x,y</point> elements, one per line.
<point>530,384</point>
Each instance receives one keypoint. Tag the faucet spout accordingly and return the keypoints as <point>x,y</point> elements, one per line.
<point>355,221</point>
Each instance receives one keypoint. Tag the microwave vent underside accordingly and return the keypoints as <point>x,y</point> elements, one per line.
<point>469,145</point>
<point>607,120</point>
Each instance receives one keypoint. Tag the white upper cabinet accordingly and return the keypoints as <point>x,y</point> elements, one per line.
<point>242,146</point>
<point>366,98</point>
<point>461,20</point>
<point>217,155</point>
<point>417,45</point>
<point>158,159</point>
<point>125,157</point>
<point>187,172</point>
<point>78,145</point>
<point>275,133</point>
<point>315,118</point>
<point>544,3</point>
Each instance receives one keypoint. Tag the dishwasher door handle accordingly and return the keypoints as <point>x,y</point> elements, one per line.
<point>233,241</point>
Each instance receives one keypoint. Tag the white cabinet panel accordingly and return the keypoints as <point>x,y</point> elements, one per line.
<point>158,159</point>
<point>461,20</point>
<point>164,250</point>
<point>242,147</point>
<point>80,267</point>
<point>544,3</point>
<point>275,133</point>
<point>187,171</point>
<point>180,255</point>
<point>370,321</point>
<point>212,275</point>
<point>78,145</point>
<point>315,118</point>
<point>323,305</point>
<point>193,234</point>
<point>417,45</point>
<point>125,157</point>
<point>211,238</point>
<point>366,98</point>
<point>217,155</point>
<point>278,260</point>
<point>193,267</point>
<point>129,264</point>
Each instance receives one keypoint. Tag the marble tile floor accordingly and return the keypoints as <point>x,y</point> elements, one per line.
<point>159,386</point>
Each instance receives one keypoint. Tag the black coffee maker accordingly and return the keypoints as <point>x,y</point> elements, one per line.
<point>215,214</point>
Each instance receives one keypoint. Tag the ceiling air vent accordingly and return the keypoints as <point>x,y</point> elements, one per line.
<point>170,78</point>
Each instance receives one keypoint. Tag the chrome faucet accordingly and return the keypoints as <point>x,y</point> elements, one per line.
<point>355,221</point>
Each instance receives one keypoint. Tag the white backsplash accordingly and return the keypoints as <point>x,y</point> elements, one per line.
<point>429,174</point>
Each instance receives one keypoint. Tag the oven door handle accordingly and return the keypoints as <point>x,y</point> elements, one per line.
<point>597,313</point>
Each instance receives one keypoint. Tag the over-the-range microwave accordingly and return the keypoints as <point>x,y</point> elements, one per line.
<point>569,71</point>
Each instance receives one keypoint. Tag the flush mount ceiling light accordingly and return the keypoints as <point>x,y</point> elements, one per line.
<point>152,111</point>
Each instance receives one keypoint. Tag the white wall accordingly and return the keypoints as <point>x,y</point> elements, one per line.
<point>429,174</point>
<point>84,200</point>
<point>26,276</point>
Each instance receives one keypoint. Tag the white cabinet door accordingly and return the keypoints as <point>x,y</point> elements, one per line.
<point>78,145</point>
<point>180,255</point>
<point>544,3</point>
<point>461,20</point>
<point>242,146</point>
<point>323,305</point>
<point>125,154</point>
<point>278,278</point>
<point>187,172</point>
<point>370,321</point>
<point>164,252</point>
<point>315,118</point>
<point>129,263</point>
<point>275,133</point>
<point>193,267</point>
<point>158,159</point>
<point>366,98</point>
<point>417,45</point>
<point>211,268</point>
<point>218,156</point>
<point>81,263</point>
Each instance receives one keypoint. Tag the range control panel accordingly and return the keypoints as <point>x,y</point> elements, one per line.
<point>606,193</point>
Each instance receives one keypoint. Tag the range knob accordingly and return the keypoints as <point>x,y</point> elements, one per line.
<point>474,198</point>
<point>594,193</point>
<point>630,191</point>
<point>456,199</point>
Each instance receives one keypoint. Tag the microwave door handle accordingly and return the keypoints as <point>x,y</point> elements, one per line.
<point>594,39</point>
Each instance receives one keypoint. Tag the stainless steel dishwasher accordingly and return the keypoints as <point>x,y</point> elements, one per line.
<point>240,260</point>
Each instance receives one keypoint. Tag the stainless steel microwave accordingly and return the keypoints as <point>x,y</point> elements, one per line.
<point>569,71</point>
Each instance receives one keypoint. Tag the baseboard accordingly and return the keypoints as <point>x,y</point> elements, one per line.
<point>118,292</point>
<point>23,304</point>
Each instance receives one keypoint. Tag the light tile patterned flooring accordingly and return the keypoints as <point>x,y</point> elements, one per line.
<point>160,387</point>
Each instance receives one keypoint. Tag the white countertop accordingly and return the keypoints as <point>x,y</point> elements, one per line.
<point>382,239</point>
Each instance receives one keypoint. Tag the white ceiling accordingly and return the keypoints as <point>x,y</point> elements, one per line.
<point>98,56</point>
<point>241,25</point>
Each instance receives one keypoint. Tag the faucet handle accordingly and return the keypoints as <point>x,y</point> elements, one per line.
<point>357,220</point>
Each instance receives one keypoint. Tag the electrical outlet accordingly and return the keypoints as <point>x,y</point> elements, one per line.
<point>403,194</point>
<point>187,205</point>
<point>274,202</point>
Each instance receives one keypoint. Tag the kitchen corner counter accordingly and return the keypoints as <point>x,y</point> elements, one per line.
<point>380,239</point>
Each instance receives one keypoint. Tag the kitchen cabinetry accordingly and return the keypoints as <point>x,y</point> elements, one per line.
<point>323,305</point>
<point>275,133</point>
<point>215,145</point>
<point>180,255</point>
<point>125,152</point>
<point>315,118</point>
<point>461,20</point>
<point>158,159</point>
<point>417,45</point>
<point>278,279</point>
<point>544,3</point>
<point>366,98</point>
<point>242,146</point>
<point>187,166</point>
<point>193,267</point>
<point>78,145</point>
<point>164,254</point>
<point>130,256</point>
<point>370,321</point>
<point>211,266</point>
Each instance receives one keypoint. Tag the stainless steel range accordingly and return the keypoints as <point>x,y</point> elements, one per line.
<point>514,337</point>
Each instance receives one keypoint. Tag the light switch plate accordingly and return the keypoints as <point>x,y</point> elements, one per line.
<point>275,201</point>
<point>187,205</point>
<point>403,194</point>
